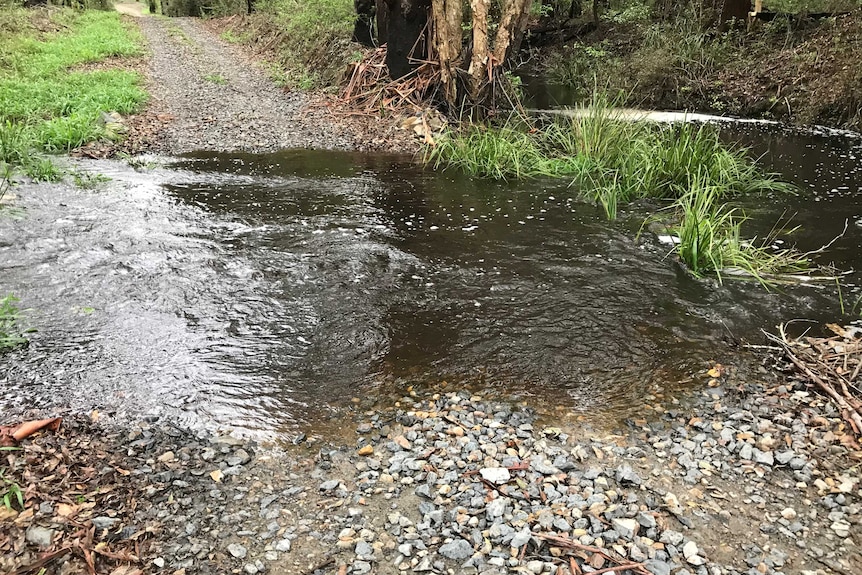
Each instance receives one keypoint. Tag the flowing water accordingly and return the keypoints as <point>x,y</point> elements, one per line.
<point>265,292</point>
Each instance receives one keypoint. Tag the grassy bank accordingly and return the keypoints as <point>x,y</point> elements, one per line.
<point>613,162</point>
<point>791,68</point>
<point>50,98</point>
<point>308,43</point>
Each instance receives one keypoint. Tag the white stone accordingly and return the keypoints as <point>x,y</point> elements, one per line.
<point>498,475</point>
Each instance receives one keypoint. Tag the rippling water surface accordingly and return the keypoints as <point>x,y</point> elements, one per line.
<point>265,292</point>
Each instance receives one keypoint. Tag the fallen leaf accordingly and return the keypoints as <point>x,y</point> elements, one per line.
<point>66,510</point>
<point>716,371</point>
<point>28,428</point>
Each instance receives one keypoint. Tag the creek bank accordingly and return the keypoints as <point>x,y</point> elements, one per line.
<point>800,71</point>
<point>738,478</point>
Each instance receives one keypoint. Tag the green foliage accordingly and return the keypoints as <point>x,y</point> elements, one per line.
<point>710,240</point>
<point>611,159</point>
<point>89,180</point>
<point>42,169</point>
<point>45,104</point>
<point>614,161</point>
<point>313,38</point>
<point>236,38</point>
<point>216,79</point>
<point>579,66</point>
<point>10,332</point>
<point>811,6</point>
<point>12,493</point>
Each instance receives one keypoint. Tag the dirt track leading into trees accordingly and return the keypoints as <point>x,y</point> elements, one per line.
<point>216,99</point>
<point>133,9</point>
<point>207,94</point>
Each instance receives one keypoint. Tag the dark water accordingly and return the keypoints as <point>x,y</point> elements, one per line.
<point>265,292</point>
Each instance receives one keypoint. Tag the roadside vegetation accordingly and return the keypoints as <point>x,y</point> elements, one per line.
<point>50,99</point>
<point>793,67</point>
<point>309,42</point>
<point>612,162</point>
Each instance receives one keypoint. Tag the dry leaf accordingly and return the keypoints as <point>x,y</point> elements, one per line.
<point>66,510</point>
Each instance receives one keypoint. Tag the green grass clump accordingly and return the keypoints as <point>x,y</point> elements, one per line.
<point>710,240</point>
<point>613,161</point>
<point>10,332</point>
<point>47,105</point>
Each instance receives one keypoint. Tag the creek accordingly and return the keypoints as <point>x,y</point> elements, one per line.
<point>263,293</point>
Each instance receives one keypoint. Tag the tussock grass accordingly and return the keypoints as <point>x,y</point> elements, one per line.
<point>45,105</point>
<point>613,162</point>
<point>710,240</point>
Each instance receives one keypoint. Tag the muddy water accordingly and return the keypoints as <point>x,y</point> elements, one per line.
<point>264,293</point>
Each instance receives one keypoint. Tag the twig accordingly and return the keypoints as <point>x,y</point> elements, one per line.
<point>847,411</point>
<point>632,566</point>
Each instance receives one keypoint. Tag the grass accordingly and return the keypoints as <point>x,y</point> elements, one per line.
<point>12,492</point>
<point>308,41</point>
<point>11,335</point>
<point>46,104</point>
<point>216,79</point>
<point>612,162</point>
<point>710,240</point>
<point>89,180</point>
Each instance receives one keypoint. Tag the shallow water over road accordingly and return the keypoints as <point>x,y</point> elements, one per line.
<point>264,292</point>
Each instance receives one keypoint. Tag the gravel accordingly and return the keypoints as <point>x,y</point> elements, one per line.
<point>490,498</point>
<point>208,94</point>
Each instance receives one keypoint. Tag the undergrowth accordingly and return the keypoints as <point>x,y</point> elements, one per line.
<point>46,104</point>
<point>11,334</point>
<point>310,41</point>
<point>791,67</point>
<point>612,162</point>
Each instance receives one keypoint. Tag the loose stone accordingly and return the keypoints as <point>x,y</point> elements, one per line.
<point>236,550</point>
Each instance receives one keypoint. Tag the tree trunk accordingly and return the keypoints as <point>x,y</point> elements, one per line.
<point>382,21</point>
<point>363,28</point>
<point>516,11</point>
<point>405,37</point>
<point>479,61</point>
<point>446,16</point>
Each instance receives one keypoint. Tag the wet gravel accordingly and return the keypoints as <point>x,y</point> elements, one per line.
<point>210,95</point>
<point>456,483</point>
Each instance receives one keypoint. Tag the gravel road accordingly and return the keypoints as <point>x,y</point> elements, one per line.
<point>215,96</point>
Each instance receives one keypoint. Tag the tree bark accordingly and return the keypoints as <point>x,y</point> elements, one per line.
<point>479,61</point>
<point>446,16</point>
<point>515,13</point>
